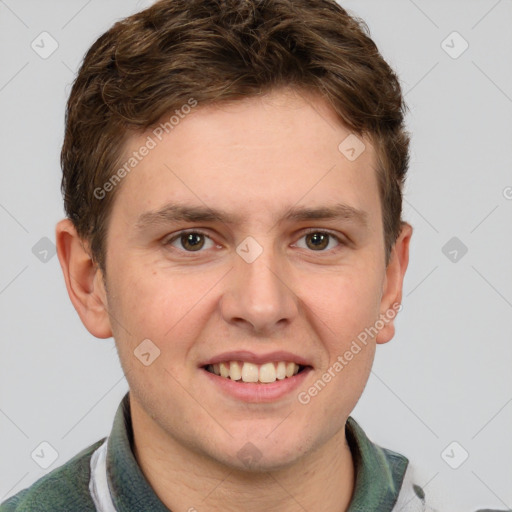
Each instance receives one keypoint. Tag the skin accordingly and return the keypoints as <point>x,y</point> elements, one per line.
<point>256,158</point>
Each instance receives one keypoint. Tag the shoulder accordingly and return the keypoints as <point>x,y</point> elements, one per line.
<point>62,489</point>
<point>415,498</point>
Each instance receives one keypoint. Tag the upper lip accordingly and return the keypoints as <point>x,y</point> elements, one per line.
<point>251,357</point>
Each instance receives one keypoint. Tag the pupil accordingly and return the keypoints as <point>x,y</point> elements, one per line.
<point>192,241</point>
<point>319,240</point>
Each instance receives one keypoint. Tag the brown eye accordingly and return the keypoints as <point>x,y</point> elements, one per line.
<point>317,241</point>
<point>191,241</point>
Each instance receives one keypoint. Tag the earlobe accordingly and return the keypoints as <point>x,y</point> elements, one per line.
<point>393,284</point>
<point>84,280</point>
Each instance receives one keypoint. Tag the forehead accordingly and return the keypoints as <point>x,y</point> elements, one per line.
<point>252,158</point>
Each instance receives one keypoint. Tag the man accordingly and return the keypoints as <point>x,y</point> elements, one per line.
<point>232,177</point>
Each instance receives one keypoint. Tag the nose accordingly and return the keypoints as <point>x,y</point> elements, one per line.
<point>258,296</point>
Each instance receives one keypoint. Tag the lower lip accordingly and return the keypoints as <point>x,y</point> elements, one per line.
<point>258,393</point>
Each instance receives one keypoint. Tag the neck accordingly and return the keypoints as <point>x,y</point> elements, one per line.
<point>185,480</point>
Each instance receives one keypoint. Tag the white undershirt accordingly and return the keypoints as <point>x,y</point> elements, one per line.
<point>98,483</point>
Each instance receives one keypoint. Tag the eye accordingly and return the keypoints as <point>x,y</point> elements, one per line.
<point>319,241</point>
<point>191,241</point>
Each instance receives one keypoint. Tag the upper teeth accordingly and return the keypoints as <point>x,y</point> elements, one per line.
<point>250,372</point>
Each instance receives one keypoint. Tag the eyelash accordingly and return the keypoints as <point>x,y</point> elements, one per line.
<point>308,231</point>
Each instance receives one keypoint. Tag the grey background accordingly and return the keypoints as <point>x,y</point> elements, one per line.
<point>446,375</point>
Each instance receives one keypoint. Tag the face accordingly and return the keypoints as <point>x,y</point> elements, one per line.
<point>246,237</point>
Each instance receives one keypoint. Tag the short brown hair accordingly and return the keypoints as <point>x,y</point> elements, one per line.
<point>153,62</point>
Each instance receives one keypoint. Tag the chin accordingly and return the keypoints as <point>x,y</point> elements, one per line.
<point>259,455</point>
<point>261,464</point>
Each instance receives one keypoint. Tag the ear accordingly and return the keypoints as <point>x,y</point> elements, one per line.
<point>84,280</point>
<point>393,284</point>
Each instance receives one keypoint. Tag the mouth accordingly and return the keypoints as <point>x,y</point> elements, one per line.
<point>249,377</point>
<point>249,372</point>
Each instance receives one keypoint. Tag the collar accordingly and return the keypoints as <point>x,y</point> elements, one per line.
<point>129,489</point>
<point>379,472</point>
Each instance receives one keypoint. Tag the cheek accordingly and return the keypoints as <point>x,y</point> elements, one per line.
<point>160,304</point>
<point>345,308</point>
<point>346,301</point>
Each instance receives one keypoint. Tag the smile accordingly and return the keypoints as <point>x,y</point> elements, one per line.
<point>265,373</point>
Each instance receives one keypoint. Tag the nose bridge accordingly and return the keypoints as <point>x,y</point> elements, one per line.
<point>258,294</point>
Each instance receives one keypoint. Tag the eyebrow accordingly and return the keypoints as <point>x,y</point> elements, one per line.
<point>188,213</point>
